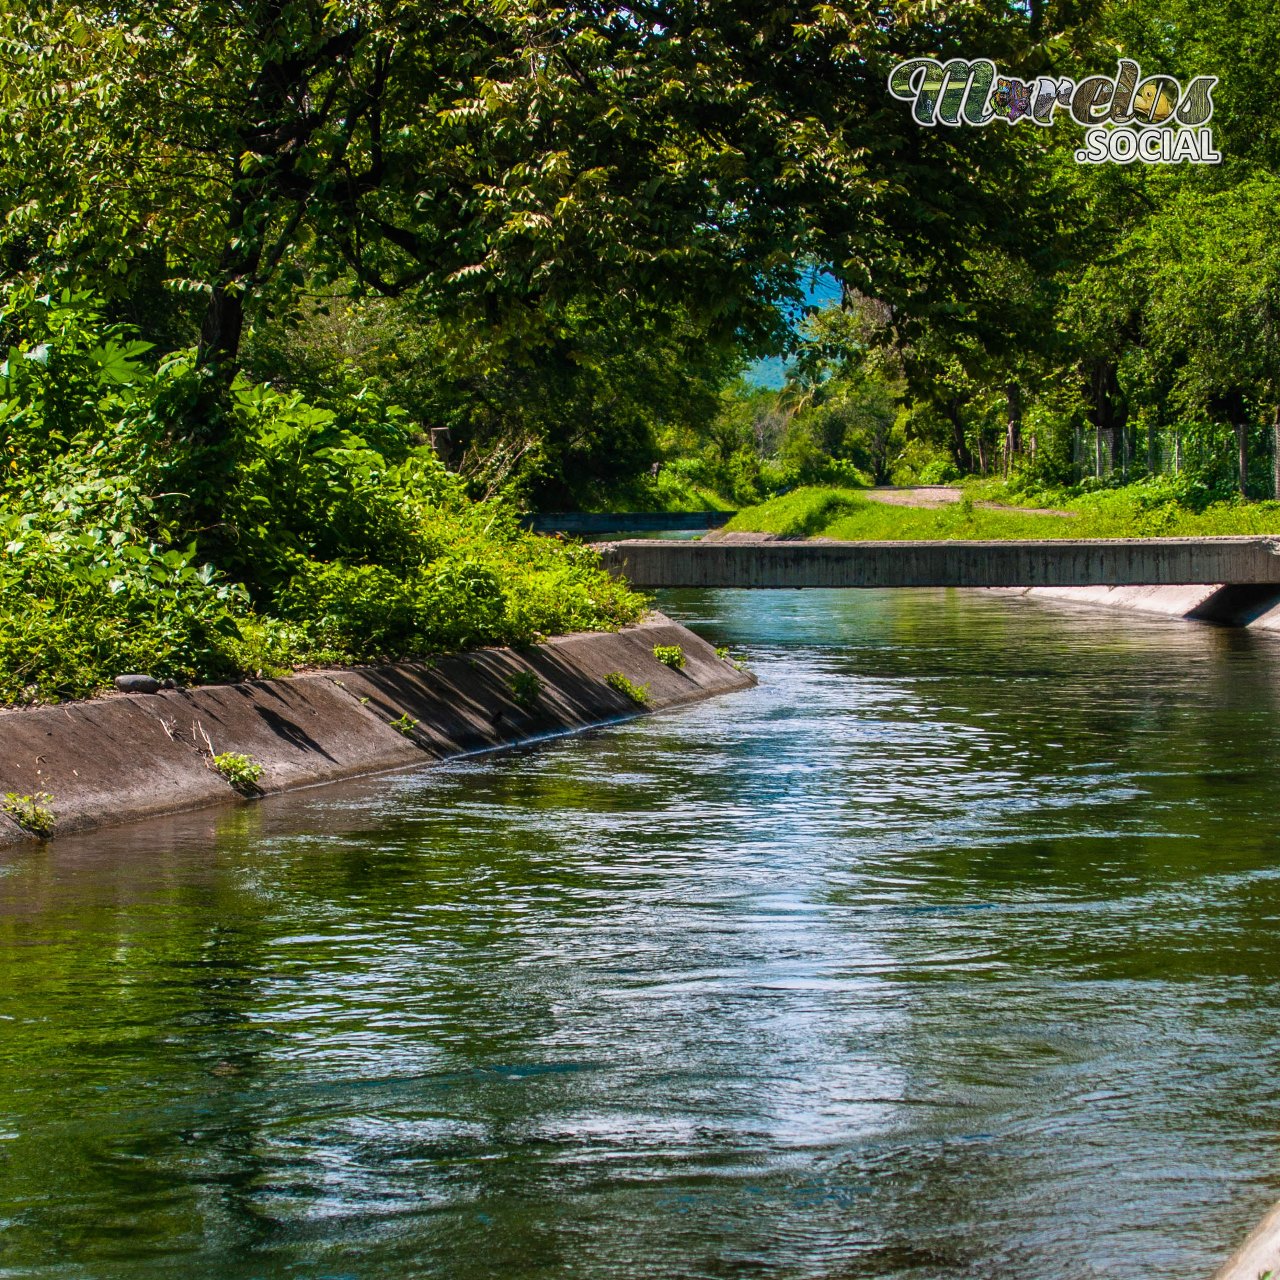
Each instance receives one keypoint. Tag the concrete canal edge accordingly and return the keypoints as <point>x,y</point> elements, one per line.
<point>123,757</point>
<point>1259,1256</point>
<point>1254,606</point>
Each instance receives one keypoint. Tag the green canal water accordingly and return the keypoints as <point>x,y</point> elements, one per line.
<point>949,951</point>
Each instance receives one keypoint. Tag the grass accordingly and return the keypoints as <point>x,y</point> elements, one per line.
<point>802,512</point>
<point>726,655</point>
<point>1135,511</point>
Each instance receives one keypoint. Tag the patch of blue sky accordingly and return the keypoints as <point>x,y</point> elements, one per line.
<point>820,290</point>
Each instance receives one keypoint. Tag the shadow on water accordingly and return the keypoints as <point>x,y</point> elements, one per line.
<point>945,952</point>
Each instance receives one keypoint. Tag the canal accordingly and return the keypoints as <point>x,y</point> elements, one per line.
<point>948,951</point>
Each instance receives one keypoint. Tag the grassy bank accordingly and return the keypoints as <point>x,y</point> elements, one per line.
<point>151,523</point>
<point>1139,510</point>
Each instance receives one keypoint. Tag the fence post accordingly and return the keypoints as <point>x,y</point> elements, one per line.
<point>1275,455</point>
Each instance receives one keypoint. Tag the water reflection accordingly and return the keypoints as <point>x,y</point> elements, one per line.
<point>946,952</point>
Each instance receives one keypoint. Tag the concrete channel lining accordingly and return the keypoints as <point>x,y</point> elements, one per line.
<point>301,731</point>
<point>1258,1256</point>
<point>102,761</point>
<point>650,564</point>
<point>115,759</point>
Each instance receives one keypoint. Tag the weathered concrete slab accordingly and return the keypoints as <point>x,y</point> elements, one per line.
<point>301,731</point>
<point>1233,605</point>
<point>467,702</point>
<point>102,761</point>
<point>1059,563</point>
<point>1258,1256</point>
<point>1265,615</point>
<point>120,758</point>
<point>1168,602</point>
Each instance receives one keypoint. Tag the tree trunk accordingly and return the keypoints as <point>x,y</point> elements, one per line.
<point>1177,453</point>
<point>1106,411</point>
<point>223,324</point>
<point>221,330</point>
<point>1013,427</point>
<point>1229,406</point>
<point>959,447</point>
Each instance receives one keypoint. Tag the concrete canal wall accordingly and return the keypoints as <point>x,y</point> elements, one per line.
<point>1258,1258</point>
<point>122,757</point>
<point>1256,606</point>
<point>764,561</point>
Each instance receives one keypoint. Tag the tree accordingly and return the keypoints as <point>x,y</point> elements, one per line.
<point>1211,262</point>
<point>497,159</point>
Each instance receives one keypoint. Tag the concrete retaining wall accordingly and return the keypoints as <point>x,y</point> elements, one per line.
<point>123,757</point>
<point>1059,563</point>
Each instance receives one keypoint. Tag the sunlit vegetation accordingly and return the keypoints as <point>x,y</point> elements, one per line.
<point>1150,509</point>
<point>304,305</point>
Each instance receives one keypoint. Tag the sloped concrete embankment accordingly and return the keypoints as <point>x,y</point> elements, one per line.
<point>1255,606</point>
<point>119,758</point>
<point>1258,1258</point>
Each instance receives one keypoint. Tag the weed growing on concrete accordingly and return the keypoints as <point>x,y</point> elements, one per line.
<point>670,655</point>
<point>525,688</point>
<point>722,652</point>
<point>405,725</point>
<point>31,813</point>
<point>241,771</point>
<point>638,693</point>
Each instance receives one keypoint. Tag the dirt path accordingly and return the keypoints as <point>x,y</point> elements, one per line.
<point>941,495</point>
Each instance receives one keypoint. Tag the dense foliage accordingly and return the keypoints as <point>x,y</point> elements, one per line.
<point>1059,322</point>
<point>339,536</point>
<point>1156,507</point>
<point>302,300</point>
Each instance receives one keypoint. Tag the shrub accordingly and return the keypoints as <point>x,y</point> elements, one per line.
<point>319,534</point>
<point>82,600</point>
